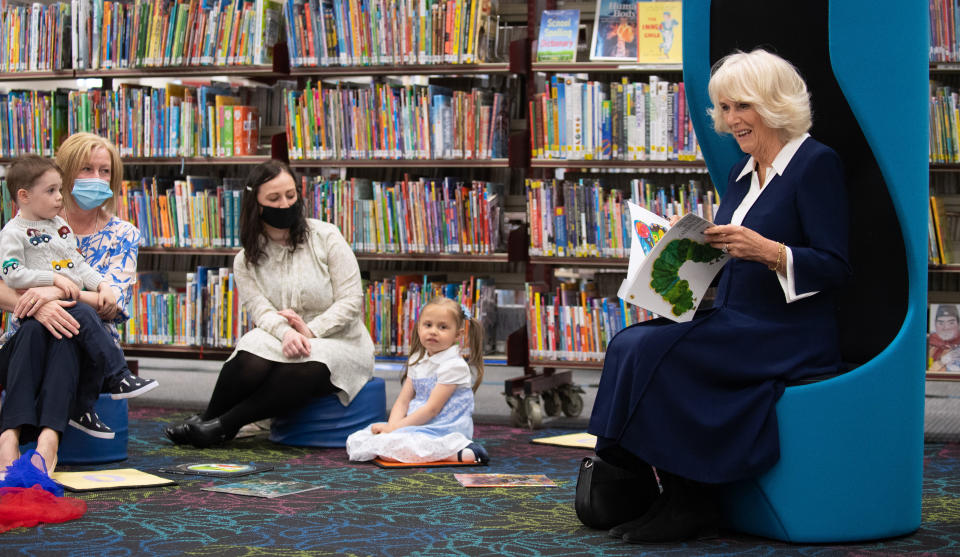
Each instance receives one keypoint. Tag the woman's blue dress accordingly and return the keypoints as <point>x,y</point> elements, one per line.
<point>698,398</point>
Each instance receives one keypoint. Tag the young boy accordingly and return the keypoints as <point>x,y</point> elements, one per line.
<point>37,248</point>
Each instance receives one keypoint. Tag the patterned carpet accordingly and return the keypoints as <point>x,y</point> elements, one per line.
<point>366,510</point>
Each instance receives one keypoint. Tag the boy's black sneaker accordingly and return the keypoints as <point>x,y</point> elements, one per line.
<point>131,386</point>
<point>90,424</point>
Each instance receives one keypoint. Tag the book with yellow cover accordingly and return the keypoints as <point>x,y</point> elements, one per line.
<point>659,33</point>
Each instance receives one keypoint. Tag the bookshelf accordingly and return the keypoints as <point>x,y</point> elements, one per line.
<point>546,388</point>
<point>944,278</point>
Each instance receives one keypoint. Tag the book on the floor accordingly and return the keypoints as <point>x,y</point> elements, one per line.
<point>216,469</point>
<point>264,488</point>
<point>504,480</point>
<point>95,480</point>
<point>576,440</point>
<point>438,464</point>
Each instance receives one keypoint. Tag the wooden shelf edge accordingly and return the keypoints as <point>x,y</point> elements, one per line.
<point>558,163</point>
<point>401,69</point>
<point>176,71</point>
<point>361,256</point>
<point>177,351</point>
<point>943,376</point>
<point>28,76</point>
<point>568,364</point>
<point>587,67</point>
<point>580,261</point>
<point>407,163</point>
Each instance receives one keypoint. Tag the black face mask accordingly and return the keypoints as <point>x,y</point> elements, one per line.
<point>280,218</point>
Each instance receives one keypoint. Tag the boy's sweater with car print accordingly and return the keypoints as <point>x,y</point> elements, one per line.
<point>32,251</point>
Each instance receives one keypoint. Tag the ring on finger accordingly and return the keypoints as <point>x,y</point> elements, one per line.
<point>725,248</point>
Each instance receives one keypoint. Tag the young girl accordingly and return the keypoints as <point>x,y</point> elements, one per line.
<point>432,419</point>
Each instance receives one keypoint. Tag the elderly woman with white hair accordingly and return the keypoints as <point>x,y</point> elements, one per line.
<point>696,400</point>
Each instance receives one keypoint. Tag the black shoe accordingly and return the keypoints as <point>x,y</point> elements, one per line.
<point>90,424</point>
<point>688,512</point>
<point>131,386</point>
<point>479,453</point>
<point>204,434</point>
<point>178,433</point>
<point>619,530</point>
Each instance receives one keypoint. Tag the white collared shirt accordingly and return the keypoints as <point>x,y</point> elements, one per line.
<point>778,166</point>
<point>447,365</point>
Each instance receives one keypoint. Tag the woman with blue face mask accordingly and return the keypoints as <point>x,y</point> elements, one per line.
<point>92,173</point>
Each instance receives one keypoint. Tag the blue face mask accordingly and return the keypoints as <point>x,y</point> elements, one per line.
<point>90,193</point>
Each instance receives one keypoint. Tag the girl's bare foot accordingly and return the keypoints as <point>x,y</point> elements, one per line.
<point>9,449</point>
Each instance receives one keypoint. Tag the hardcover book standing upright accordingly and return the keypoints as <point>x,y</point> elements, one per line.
<point>615,31</point>
<point>558,36</point>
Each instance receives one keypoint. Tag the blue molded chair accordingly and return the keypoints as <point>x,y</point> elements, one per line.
<point>327,423</point>
<point>851,447</point>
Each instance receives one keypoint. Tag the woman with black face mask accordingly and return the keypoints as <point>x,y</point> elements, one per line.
<point>300,283</point>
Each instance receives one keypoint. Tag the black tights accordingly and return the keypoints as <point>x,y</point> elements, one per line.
<point>251,388</point>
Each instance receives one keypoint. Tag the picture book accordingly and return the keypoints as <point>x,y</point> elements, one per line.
<point>670,278</point>
<point>943,338</point>
<point>615,31</point>
<point>96,480</point>
<point>264,488</point>
<point>558,36</point>
<point>659,28</point>
<point>504,480</point>
<point>573,440</point>
<point>216,469</point>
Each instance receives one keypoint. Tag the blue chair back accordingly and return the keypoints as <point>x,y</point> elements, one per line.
<point>851,446</point>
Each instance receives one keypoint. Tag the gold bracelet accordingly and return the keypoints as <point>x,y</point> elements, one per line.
<point>780,252</point>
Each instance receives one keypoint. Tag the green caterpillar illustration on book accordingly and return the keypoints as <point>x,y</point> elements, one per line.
<point>665,279</point>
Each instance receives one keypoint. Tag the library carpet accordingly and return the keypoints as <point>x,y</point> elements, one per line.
<point>366,510</point>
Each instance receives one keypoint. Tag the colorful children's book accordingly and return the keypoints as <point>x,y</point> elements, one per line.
<point>943,338</point>
<point>264,488</point>
<point>573,440</point>
<point>615,31</point>
<point>659,33</point>
<point>216,469</point>
<point>504,480</point>
<point>558,36</point>
<point>96,480</point>
<point>386,464</point>
<point>670,279</point>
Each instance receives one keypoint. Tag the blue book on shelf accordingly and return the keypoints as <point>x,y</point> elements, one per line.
<point>558,36</point>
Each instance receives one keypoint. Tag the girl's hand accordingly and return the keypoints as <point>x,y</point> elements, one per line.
<point>70,289</point>
<point>295,345</point>
<point>674,220</point>
<point>34,298</point>
<point>380,427</point>
<point>743,243</point>
<point>297,322</point>
<point>56,319</point>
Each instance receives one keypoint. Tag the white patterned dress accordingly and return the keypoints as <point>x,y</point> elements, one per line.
<point>447,433</point>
